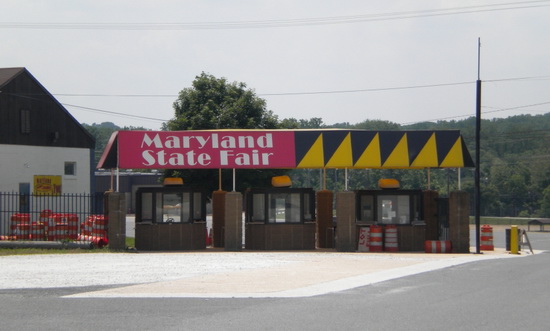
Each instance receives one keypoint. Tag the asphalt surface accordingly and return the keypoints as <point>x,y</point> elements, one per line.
<point>320,290</point>
<point>218,274</point>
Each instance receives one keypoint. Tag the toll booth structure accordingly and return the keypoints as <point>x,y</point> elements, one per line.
<point>401,208</point>
<point>283,227</point>
<point>280,219</point>
<point>170,218</point>
<point>415,217</point>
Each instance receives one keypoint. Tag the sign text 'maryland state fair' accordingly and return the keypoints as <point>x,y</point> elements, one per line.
<point>206,149</point>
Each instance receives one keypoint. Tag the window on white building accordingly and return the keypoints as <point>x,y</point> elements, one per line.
<point>70,168</point>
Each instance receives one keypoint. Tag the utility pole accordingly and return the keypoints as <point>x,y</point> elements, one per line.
<point>478,135</point>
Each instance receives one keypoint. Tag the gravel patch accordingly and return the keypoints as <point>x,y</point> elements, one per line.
<point>81,270</point>
<point>53,271</point>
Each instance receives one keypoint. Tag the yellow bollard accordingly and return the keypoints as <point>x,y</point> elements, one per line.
<point>514,240</point>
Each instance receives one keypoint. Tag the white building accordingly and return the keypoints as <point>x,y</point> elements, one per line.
<point>43,149</point>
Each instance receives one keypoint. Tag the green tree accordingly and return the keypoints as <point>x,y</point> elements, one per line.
<point>289,123</point>
<point>102,132</point>
<point>545,203</point>
<point>376,125</point>
<point>292,123</point>
<point>215,103</point>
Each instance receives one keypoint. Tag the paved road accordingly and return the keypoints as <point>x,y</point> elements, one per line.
<point>500,294</point>
<point>506,293</point>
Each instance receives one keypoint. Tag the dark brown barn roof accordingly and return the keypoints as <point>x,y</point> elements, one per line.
<point>10,76</point>
<point>6,74</point>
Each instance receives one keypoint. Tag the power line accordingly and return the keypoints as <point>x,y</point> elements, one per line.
<point>470,115</point>
<point>269,94</point>
<point>114,113</point>
<point>315,93</point>
<point>518,107</point>
<point>365,90</point>
<point>35,96</point>
<point>116,95</point>
<point>277,23</point>
<point>380,89</point>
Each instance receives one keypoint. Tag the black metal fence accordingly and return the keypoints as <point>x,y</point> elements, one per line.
<point>66,217</point>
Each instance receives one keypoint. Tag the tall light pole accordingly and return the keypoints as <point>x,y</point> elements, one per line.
<point>477,193</point>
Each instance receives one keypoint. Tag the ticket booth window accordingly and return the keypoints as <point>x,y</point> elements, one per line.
<point>258,211</point>
<point>366,208</point>
<point>308,201</point>
<point>284,208</point>
<point>197,206</point>
<point>175,207</point>
<point>149,210</point>
<point>400,207</point>
<point>147,206</point>
<point>394,209</point>
<point>277,206</point>
<point>162,205</point>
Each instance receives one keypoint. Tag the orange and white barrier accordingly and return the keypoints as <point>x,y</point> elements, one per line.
<point>94,229</point>
<point>61,231</point>
<point>486,243</point>
<point>22,231</point>
<point>51,226</point>
<point>437,246</point>
<point>375,238</point>
<point>37,231</point>
<point>96,241</point>
<point>20,226</point>
<point>390,239</point>
<point>208,237</point>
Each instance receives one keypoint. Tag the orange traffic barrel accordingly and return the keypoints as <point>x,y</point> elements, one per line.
<point>72,223</point>
<point>390,238</point>
<point>46,213</point>
<point>19,219</point>
<point>486,243</point>
<point>437,246</point>
<point>37,231</point>
<point>375,238</point>
<point>96,241</point>
<point>22,231</point>
<point>208,237</point>
<point>61,231</point>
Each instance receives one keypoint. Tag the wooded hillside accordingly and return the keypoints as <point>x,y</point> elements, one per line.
<point>515,163</point>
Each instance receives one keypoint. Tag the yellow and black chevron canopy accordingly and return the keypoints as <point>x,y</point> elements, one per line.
<point>381,149</point>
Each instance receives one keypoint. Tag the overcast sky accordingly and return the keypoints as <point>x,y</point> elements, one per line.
<point>342,61</point>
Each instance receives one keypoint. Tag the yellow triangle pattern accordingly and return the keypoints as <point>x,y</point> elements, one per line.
<point>342,157</point>
<point>454,158</point>
<point>371,155</point>
<point>399,157</point>
<point>314,158</point>
<point>428,155</point>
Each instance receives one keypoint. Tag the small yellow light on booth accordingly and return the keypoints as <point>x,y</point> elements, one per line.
<point>281,181</point>
<point>173,181</point>
<point>388,183</point>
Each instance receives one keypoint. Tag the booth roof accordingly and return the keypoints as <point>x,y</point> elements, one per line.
<point>330,148</point>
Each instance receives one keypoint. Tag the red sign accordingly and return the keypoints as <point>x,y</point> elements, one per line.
<point>206,149</point>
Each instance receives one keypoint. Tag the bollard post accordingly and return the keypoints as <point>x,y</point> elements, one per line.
<point>514,240</point>
<point>233,234</point>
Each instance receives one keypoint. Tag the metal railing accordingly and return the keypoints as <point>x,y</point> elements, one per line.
<point>66,217</point>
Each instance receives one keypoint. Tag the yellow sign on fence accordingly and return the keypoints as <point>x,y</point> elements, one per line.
<point>50,185</point>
